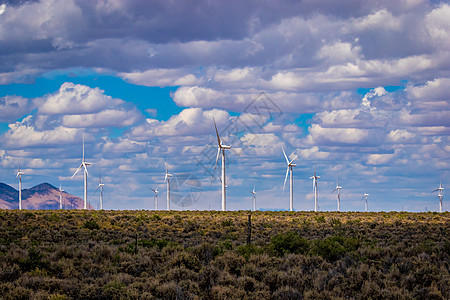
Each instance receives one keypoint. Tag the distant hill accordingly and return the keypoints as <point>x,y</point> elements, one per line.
<point>42,196</point>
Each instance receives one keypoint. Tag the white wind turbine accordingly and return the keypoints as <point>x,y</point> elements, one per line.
<point>221,148</point>
<point>155,190</point>
<point>338,189</point>
<point>315,190</point>
<point>440,195</point>
<point>166,179</point>
<point>254,198</point>
<point>60,196</point>
<point>365,197</point>
<point>290,165</point>
<point>83,165</point>
<point>19,175</point>
<point>100,186</point>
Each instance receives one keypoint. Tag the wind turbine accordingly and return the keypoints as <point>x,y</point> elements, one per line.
<point>365,197</point>
<point>19,175</point>
<point>290,165</point>
<point>156,197</point>
<point>166,179</point>
<point>221,148</point>
<point>83,165</point>
<point>315,190</point>
<point>100,186</point>
<point>338,189</point>
<point>60,196</point>
<point>254,198</point>
<point>440,195</point>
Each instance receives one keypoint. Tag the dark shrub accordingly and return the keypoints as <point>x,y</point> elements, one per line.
<point>335,247</point>
<point>289,242</point>
<point>91,224</point>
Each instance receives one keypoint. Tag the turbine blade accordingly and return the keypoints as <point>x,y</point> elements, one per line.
<point>217,159</point>
<point>217,133</point>
<point>285,156</point>
<point>334,191</point>
<point>293,159</point>
<point>85,168</point>
<point>79,168</point>
<point>285,178</point>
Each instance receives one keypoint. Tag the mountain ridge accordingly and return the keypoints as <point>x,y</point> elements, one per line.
<point>41,196</point>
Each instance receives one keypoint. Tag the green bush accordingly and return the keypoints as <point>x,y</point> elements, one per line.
<point>289,242</point>
<point>91,224</point>
<point>335,247</point>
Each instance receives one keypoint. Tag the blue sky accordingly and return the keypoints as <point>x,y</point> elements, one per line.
<point>358,89</point>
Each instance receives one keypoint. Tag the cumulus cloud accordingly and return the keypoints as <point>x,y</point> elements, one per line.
<point>76,99</point>
<point>190,121</point>
<point>23,134</point>
<point>14,107</point>
<point>162,77</point>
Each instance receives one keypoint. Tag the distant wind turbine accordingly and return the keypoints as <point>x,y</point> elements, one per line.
<point>365,197</point>
<point>221,148</point>
<point>100,186</point>
<point>440,195</point>
<point>84,165</point>
<point>155,190</point>
<point>19,175</point>
<point>315,190</point>
<point>254,198</point>
<point>290,165</point>
<point>166,180</point>
<point>60,196</point>
<point>338,189</point>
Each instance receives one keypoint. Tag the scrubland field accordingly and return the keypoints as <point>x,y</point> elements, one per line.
<point>209,255</point>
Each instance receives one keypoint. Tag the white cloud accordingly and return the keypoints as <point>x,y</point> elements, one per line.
<point>320,135</point>
<point>400,136</point>
<point>76,99</point>
<point>380,159</point>
<point>2,8</point>
<point>189,122</point>
<point>105,118</point>
<point>162,77</point>
<point>23,134</point>
<point>13,107</point>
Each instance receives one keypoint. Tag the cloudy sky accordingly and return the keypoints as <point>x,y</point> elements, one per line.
<point>355,88</point>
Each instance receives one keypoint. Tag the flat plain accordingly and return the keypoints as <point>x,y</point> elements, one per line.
<point>75,254</point>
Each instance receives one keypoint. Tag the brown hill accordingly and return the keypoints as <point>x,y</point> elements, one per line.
<point>42,196</point>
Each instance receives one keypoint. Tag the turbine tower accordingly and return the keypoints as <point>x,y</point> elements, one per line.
<point>156,197</point>
<point>100,186</point>
<point>254,198</point>
<point>290,165</point>
<point>221,148</point>
<point>440,195</point>
<point>338,189</point>
<point>19,175</point>
<point>315,190</point>
<point>84,165</point>
<point>166,179</point>
<point>60,196</point>
<point>365,197</point>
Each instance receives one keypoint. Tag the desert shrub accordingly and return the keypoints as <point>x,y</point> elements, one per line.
<point>227,292</point>
<point>9,272</point>
<point>289,242</point>
<point>247,250</point>
<point>287,292</point>
<point>91,224</point>
<point>333,248</point>
<point>320,219</point>
<point>33,260</point>
<point>226,223</point>
<point>188,260</point>
<point>158,243</point>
